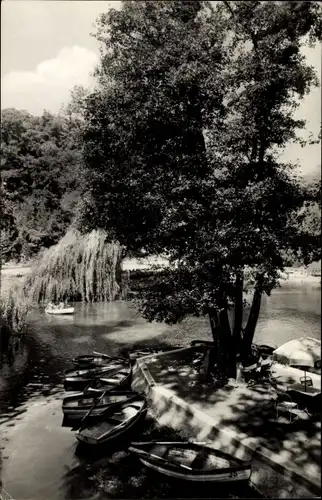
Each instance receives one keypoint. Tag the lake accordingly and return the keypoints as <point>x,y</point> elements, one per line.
<point>38,456</point>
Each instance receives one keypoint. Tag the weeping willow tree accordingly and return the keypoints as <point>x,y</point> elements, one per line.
<point>14,307</point>
<point>80,267</point>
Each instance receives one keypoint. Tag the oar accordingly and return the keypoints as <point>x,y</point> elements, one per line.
<point>146,453</point>
<point>140,443</point>
<point>94,405</point>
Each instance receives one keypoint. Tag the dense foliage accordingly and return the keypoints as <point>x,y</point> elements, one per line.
<point>182,147</point>
<point>40,169</point>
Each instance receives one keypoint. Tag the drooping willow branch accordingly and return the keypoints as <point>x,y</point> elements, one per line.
<point>79,267</point>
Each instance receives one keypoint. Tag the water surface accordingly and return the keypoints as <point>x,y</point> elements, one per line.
<point>38,457</point>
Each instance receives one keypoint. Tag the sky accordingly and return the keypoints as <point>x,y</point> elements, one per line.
<point>46,49</point>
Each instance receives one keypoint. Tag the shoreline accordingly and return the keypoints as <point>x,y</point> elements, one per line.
<point>296,275</point>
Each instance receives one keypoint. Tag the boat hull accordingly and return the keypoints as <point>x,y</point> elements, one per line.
<point>112,434</point>
<point>79,379</point>
<point>243,475</point>
<point>112,399</point>
<point>68,310</point>
<point>111,383</point>
<point>90,361</point>
<point>108,381</point>
<point>191,461</point>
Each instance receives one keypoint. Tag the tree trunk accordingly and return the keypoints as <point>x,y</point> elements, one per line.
<point>227,356</point>
<point>214,325</point>
<point>252,321</point>
<point>238,313</point>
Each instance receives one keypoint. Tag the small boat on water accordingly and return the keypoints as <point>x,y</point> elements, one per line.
<point>80,378</point>
<point>96,359</point>
<point>57,310</point>
<point>77,406</point>
<point>115,423</point>
<point>191,461</point>
<point>121,378</point>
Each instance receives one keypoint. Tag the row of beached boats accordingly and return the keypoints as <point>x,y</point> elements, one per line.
<point>107,410</point>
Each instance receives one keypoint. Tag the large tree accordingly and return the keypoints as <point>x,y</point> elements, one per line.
<point>183,136</point>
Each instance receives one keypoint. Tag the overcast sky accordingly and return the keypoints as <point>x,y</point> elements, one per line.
<point>46,49</point>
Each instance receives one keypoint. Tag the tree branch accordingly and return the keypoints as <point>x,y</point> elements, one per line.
<point>252,319</point>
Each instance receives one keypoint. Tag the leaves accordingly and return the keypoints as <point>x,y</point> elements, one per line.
<point>40,164</point>
<point>183,136</point>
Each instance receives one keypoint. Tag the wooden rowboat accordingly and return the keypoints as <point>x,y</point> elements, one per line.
<point>78,405</point>
<point>148,351</point>
<point>114,424</point>
<point>191,461</point>
<point>121,378</point>
<point>96,359</point>
<point>80,378</point>
<point>66,310</point>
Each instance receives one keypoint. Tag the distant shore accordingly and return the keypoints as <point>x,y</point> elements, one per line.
<point>291,274</point>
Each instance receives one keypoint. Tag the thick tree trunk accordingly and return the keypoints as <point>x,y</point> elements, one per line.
<point>249,331</point>
<point>227,356</point>
<point>238,313</point>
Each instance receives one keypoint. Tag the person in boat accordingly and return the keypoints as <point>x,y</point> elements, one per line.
<point>50,305</point>
<point>61,305</point>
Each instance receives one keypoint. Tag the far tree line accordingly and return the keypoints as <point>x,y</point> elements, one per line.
<point>41,168</point>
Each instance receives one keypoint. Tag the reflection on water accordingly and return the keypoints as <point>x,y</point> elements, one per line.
<point>31,391</point>
<point>292,311</point>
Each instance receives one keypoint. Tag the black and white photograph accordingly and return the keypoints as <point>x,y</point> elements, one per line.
<point>160,249</point>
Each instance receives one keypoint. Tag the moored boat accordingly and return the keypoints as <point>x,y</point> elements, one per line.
<point>191,461</point>
<point>99,359</point>
<point>148,351</point>
<point>114,424</point>
<point>80,378</point>
<point>77,406</point>
<point>121,378</point>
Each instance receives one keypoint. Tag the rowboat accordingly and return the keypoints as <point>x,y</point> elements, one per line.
<point>66,310</point>
<point>80,378</point>
<point>120,379</point>
<point>78,405</point>
<point>191,461</point>
<point>140,353</point>
<point>96,359</point>
<point>115,423</point>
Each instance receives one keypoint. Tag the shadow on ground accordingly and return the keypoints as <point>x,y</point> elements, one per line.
<point>248,411</point>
